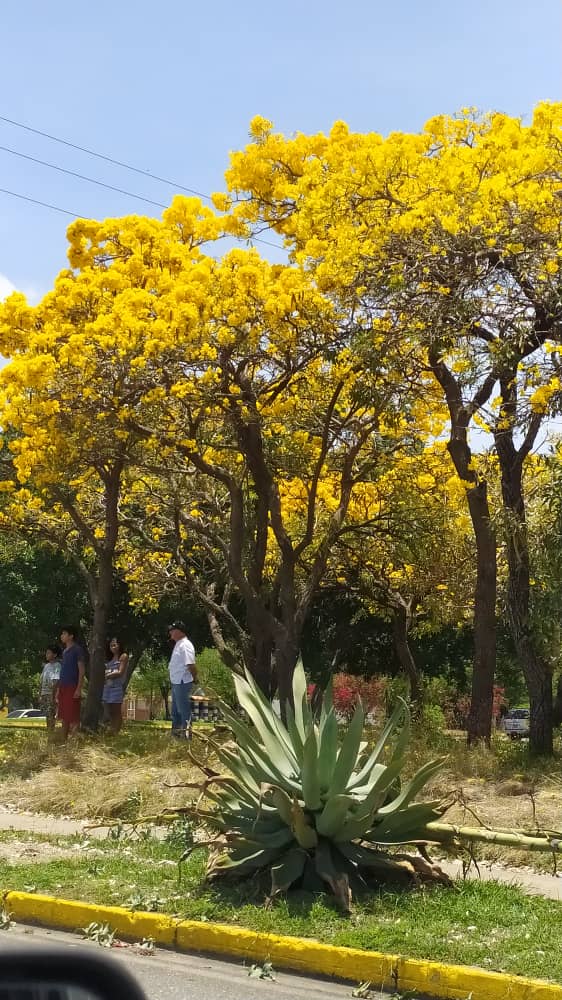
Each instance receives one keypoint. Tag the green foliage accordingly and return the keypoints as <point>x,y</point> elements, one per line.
<point>214,676</point>
<point>39,591</point>
<point>151,680</point>
<point>297,803</point>
<point>433,723</point>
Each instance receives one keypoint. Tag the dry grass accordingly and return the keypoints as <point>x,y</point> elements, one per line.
<point>501,788</point>
<point>98,780</point>
<point>128,777</point>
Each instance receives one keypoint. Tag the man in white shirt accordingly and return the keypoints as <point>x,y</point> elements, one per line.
<point>182,675</point>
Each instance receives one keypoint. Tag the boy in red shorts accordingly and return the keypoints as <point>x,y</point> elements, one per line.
<point>71,680</point>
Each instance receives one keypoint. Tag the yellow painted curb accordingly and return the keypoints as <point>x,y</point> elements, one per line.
<point>450,982</point>
<point>71,915</point>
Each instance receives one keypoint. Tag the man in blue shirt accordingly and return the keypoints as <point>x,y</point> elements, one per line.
<point>72,671</point>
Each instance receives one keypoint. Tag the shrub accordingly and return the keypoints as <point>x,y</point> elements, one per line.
<point>215,677</point>
<point>347,689</point>
<point>306,807</point>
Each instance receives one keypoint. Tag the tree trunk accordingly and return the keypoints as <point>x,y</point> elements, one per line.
<point>537,673</point>
<point>557,709</point>
<point>260,661</point>
<point>101,600</point>
<point>286,655</point>
<point>484,621</point>
<point>482,694</point>
<point>401,621</point>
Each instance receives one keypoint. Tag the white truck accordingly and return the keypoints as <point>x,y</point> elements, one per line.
<point>516,723</point>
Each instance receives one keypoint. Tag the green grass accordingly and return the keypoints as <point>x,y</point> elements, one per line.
<point>474,923</point>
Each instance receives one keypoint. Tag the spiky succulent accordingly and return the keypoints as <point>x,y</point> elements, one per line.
<point>302,804</point>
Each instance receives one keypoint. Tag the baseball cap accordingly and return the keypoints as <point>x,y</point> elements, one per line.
<point>181,627</point>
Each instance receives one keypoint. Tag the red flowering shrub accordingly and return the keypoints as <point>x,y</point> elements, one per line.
<point>347,689</point>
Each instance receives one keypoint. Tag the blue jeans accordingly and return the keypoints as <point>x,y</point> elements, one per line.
<point>181,705</point>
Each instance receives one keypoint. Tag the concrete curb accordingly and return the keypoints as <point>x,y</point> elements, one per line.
<point>303,955</point>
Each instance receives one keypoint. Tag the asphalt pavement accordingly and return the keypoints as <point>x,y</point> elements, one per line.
<point>168,975</point>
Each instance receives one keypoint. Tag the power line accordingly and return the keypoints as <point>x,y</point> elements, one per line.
<point>82,177</point>
<point>108,159</point>
<point>44,204</point>
<point>115,162</point>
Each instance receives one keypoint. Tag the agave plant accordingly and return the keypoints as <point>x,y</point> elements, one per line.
<point>297,802</point>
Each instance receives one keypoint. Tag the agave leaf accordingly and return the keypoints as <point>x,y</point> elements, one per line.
<point>239,767</point>
<point>256,763</point>
<point>303,715</point>
<point>243,733</point>
<point>361,792</point>
<point>331,873</point>
<point>249,753</point>
<point>333,815</point>
<point>363,857</point>
<point>283,802</point>
<point>276,838</point>
<point>310,773</point>
<point>262,719</point>
<point>270,715</point>
<point>403,739</point>
<point>401,711</point>
<point>304,833</point>
<point>354,828</point>
<point>327,701</point>
<point>420,778</point>
<point>363,817</point>
<point>347,757</point>
<point>240,791</point>
<point>292,729</point>
<point>264,770</point>
<point>248,860</point>
<point>287,870</point>
<point>327,749</point>
<point>405,826</point>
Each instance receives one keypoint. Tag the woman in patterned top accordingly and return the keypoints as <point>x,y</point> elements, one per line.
<point>114,688</point>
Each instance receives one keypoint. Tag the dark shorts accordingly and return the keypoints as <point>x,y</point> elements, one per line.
<point>69,706</point>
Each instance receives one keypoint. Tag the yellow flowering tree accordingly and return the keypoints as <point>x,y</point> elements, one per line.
<point>412,559</point>
<point>269,424</point>
<point>77,369</point>
<point>453,235</point>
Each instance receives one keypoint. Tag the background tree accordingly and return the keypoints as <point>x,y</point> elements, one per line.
<point>271,428</point>
<point>77,369</point>
<point>455,233</point>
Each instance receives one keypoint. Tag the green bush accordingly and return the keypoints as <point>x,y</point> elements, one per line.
<point>214,676</point>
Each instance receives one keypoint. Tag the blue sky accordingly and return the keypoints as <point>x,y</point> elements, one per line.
<point>171,87</point>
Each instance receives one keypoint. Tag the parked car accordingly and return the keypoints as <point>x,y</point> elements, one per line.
<point>26,713</point>
<point>516,723</point>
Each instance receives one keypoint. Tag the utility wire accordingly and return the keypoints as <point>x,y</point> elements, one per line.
<point>44,204</point>
<point>108,159</point>
<point>91,180</point>
<point>82,177</point>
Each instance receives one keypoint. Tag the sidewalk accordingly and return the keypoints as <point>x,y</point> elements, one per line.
<point>40,823</point>
<point>533,883</point>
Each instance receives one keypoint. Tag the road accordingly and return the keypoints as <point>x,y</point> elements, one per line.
<point>167,975</point>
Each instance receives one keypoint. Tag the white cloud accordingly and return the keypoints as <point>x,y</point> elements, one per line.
<point>6,287</point>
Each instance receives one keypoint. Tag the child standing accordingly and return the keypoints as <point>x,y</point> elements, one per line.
<point>49,685</point>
